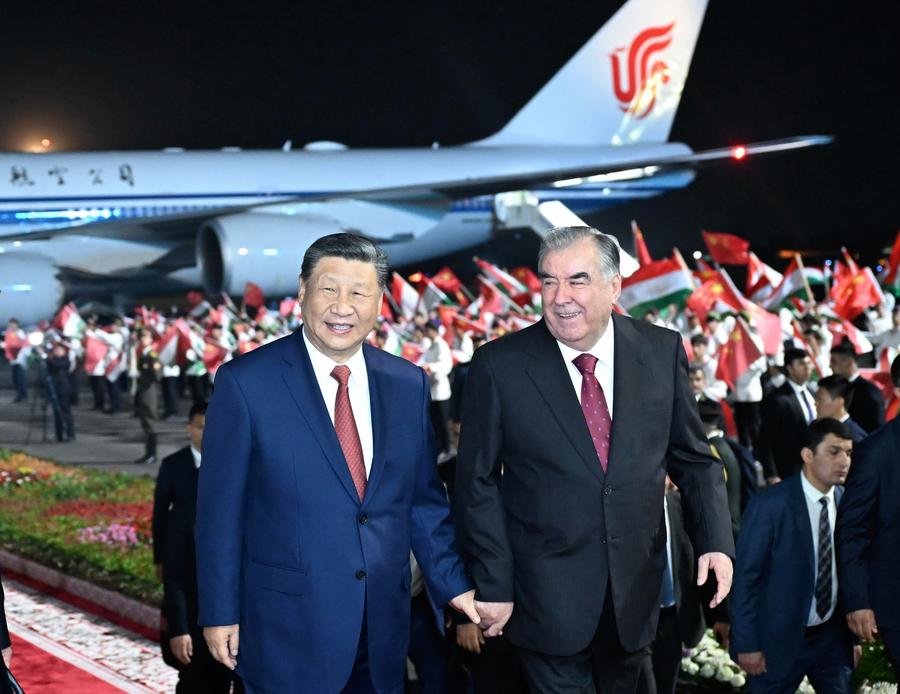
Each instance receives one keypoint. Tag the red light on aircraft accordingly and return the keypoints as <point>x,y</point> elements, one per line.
<point>739,152</point>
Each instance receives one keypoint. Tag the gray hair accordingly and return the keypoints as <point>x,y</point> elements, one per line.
<point>349,247</point>
<point>559,238</point>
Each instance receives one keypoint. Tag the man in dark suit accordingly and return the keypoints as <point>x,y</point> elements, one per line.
<point>5,649</point>
<point>787,411</point>
<point>681,622</point>
<point>785,618</point>
<point>832,399</point>
<point>865,402</point>
<point>582,415</point>
<point>319,477</point>
<point>869,536</point>
<point>174,514</point>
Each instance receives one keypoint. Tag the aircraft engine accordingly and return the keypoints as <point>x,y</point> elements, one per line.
<point>265,249</point>
<point>30,289</point>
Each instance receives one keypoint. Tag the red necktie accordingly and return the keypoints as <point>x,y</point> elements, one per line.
<point>593,404</point>
<point>347,433</point>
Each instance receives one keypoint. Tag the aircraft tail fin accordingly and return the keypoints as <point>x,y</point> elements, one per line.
<point>623,86</point>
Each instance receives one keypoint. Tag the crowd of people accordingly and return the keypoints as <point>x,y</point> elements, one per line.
<point>787,393</point>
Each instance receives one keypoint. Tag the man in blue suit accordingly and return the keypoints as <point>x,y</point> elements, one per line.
<point>318,478</point>
<point>785,617</point>
<point>869,536</point>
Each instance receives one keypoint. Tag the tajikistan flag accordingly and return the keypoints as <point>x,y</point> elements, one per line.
<point>656,285</point>
<point>793,284</point>
<point>68,321</point>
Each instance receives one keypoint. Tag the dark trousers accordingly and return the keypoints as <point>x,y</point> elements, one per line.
<point>199,387</point>
<point>659,673</point>
<point>203,675</point>
<point>62,417</point>
<point>826,659</point>
<point>115,395</point>
<point>440,421</point>
<point>73,387</point>
<point>170,396</point>
<point>496,670</point>
<point>146,416</point>
<point>604,666</point>
<point>20,382</point>
<point>748,419</point>
<point>98,388</point>
<point>426,647</point>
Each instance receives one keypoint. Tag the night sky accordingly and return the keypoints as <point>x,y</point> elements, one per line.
<point>126,75</point>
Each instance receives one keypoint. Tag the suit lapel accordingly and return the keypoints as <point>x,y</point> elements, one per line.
<point>801,520</point>
<point>794,403</point>
<point>378,403</point>
<point>551,377</point>
<point>628,384</point>
<point>301,382</point>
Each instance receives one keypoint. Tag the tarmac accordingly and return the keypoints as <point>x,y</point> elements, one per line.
<point>104,441</point>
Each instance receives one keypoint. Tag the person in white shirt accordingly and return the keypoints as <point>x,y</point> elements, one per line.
<point>437,361</point>
<point>16,348</point>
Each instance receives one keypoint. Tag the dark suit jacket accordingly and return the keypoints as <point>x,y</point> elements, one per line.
<point>867,404</point>
<point>688,603</point>
<point>4,643</point>
<point>174,514</point>
<point>558,529</point>
<point>868,527</point>
<point>781,436</point>
<point>286,549</point>
<point>774,577</point>
<point>856,431</point>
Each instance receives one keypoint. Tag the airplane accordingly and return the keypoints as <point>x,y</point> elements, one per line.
<point>77,225</point>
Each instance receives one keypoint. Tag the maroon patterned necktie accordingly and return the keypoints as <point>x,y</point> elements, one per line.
<point>347,433</point>
<point>593,404</point>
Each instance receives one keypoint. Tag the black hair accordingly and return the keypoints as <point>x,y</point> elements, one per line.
<point>793,354</point>
<point>196,410</point>
<point>837,387</point>
<point>349,247</point>
<point>819,429</point>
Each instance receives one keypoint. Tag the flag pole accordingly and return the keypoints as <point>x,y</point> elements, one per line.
<point>806,286</point>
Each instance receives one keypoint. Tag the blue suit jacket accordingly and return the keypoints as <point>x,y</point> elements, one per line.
<point>774,577</point>
<point>284,546</point>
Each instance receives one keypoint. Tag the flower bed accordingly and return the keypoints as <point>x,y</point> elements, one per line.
<point>90,524</point>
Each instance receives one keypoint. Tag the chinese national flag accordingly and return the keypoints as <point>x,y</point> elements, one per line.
<point>893,264</point>
<point>737,354</point>
<point>447,281</point>
<point>213,356</point>
<point>386,311</point>
<point>709,294</point>
<point>526,276</point>
<point>727,249</point>
<point>855,293</point>
<point>253,296</point>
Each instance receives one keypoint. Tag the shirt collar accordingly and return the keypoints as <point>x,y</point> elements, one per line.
<point>813,494</point>
<point>603,349</point>
<point>196,454</point>
<point>796,388</point>
<point>323,365</point>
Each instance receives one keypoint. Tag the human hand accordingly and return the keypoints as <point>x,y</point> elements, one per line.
<point>469,637</point>
<point>722,630</point>
<point>223,644</point>
<point>182,648</point>
<point>7,656</point>
<point>494,616</point>
<point>857,655</point>
<point>721,565</point>
<point>465,603</point>
<point>862,623</point>
<point>772,481</point>
<point>752,663</point>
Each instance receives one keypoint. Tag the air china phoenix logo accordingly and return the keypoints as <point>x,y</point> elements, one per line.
<point>637,85</point>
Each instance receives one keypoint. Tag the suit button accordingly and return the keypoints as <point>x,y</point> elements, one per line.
<point>363,519</point>
<point>607,491</point>
<point>360,574</point>
<point>603,541</point>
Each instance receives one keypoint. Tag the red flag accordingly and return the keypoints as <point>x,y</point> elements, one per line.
<point>213,356</point>
<point>467,325</point>
<point>492,303</point>
<point>640,247</point>
<point>893,263</point>
<point>13,342</point>
<point>194,299</point>
<point>253,295</point>
<point>727,249</point>
<point>386,311</point>
<point>736,355</point>
<point>95,350</point>
<point>715,293</point>
<point>447,281</point>
<point>526,276</point>
<point>852,267</point>
<point>855,293</point>
<point>411,352</point>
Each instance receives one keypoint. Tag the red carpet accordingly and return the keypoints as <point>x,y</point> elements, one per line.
<point>39,671</point>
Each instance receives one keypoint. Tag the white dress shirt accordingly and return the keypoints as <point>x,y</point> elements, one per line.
<point>358,385</point>
<point>196,454</point>
<point>814,508</point>
<point>803,398</point>
<point>604,350</point>
<point>439,360</point>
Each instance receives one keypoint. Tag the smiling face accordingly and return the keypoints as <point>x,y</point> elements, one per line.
<point>577,297</point>
<point>339,303</point>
